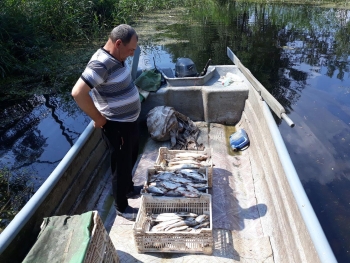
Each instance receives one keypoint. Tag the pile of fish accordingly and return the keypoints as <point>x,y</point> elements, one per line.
<point>178,222</point>
<point>183,182</point>
<point>185,160</point>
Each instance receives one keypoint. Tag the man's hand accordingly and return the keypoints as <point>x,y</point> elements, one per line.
<point>100,122</point>
<point>80,92</point>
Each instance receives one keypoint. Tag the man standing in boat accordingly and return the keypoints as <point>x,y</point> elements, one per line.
<point>114,106</point>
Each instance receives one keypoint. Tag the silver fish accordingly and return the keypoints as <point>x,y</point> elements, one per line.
<point>186,214</point>
<point>203,225</point>
<point>154,190</point>
<point>173,193</point>
<point>197,185</point>
<point>161,226</point>
<point>177,224</point>
<point>197,156</point>
<point>162,218</point>
<point>163,176</point>
<point>188,171</point>
<point>164,214</point>
<point>191,222</point>
<point>170,185</point>
<point>196,176</point>
<point>201,218</point>
<point>181,188</point>
<point>182,180</point>
<point>193,171</point>
<point>192,189</point>
<point>189,194</point>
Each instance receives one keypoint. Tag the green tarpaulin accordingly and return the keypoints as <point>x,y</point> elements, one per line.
<point>62,239</point>
<point>149,80</point>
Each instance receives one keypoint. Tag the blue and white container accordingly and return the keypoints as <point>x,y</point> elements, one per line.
<point>239,140</point>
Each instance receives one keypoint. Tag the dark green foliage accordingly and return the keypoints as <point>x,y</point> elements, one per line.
<point>15,191</point>
<point>28,30</point>
<point>38,38</point>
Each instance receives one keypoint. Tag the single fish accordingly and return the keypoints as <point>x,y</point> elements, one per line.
<point>201,218</point>
<point>186,214</point>
<point>177,224</point>
<point>192,189</point>
<point>195,171</point>
<point>170,185</point>
<point>164,176</point>
<point>164,214</point>
<point>154,190</point>
<point>197,185</point>
<point>178,179</point>
<point>188,194</point>
<point>203,225</point>
<point>181,188</point>
<point>173,193</point>
<point>161,226</point>
<point>194,155</point>
<point>162,218</point>
<point>196,177</point>
<point>191,222</point>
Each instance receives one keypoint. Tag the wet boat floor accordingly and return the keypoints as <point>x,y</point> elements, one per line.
<point>237,227</point>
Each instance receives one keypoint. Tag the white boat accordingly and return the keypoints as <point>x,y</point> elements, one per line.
<point>260,210</point>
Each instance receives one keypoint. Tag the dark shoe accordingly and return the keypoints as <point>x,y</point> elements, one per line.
<point>129,213</point>
<point>136,191</point>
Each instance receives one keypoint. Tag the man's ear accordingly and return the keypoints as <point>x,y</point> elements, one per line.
<point>118,42</point>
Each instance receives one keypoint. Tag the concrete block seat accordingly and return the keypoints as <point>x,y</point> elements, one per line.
<point>212,102</point>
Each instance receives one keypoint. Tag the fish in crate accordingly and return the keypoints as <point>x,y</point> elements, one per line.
<point>174,224</point>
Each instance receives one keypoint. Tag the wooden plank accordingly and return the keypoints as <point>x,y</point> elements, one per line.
<point>270,100</point>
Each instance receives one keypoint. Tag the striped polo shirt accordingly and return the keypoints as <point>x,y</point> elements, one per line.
<point>112,88</point>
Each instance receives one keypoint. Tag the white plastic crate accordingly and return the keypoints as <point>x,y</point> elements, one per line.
<point>101,248</point>
<point>175,242</point>
<point>166,154</point>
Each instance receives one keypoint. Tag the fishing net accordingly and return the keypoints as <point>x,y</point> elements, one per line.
<point>165,123</point>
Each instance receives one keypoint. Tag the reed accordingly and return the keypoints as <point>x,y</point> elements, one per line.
<point>30,28</point>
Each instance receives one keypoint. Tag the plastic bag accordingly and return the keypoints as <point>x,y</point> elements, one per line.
<point>162,124</point>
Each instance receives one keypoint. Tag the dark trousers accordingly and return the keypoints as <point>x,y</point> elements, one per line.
<point>122,139</point>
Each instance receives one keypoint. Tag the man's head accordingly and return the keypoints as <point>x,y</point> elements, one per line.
<point>124,39</point>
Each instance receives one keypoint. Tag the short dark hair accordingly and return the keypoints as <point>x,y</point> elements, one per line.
<point>123,32</point>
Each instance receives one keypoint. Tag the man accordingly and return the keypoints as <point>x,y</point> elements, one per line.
<point>114,106</point>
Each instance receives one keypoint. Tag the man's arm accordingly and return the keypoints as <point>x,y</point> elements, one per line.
<point>80,93</point>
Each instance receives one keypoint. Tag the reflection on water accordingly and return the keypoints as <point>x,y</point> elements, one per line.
<point>37,132</point>
<point>299,53</point>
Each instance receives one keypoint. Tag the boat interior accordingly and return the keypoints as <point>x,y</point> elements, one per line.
<point>254,214</point>
<point>246,205</point>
